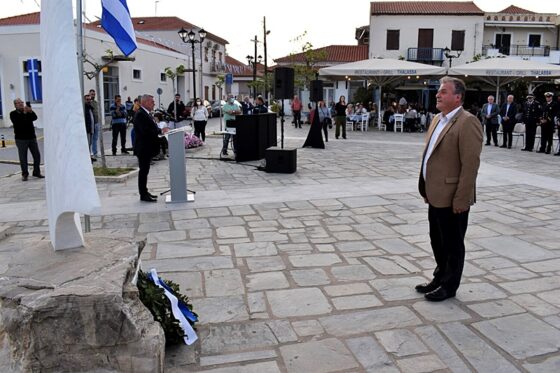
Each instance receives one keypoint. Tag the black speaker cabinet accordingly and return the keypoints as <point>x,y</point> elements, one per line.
<point>281,161</point>
<point>316,93</point>
<point>283,83</point>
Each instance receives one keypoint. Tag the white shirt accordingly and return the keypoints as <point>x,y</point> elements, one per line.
<point>489,109</point>
<point>443,121</point>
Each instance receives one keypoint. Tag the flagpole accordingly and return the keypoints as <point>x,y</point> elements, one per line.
<point>80,49</point>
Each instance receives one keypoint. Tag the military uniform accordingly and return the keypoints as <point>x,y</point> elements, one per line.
<point>549,111</point>
<point>531,114</point>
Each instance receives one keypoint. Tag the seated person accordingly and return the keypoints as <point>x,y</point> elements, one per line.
<point>349,112</point>
<point>388,118</point>
<point>410,119</point>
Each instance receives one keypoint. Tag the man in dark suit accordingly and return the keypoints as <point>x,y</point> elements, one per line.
<point>447,183</point>
<point>508,113</point>
<point>531,114</point>
<point>146,144</point>
<point>489,114</point>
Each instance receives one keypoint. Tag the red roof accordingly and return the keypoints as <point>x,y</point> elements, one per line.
<point>512,9</point>
<point>240,69</point>
<point>425,8</point>
<point>23,19</point>
<point>334,53</point>
<point>167,24</point>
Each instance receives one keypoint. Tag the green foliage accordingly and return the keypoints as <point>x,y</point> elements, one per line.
<point>363,95</point>
<point>305,73</point>
<point>155,300</point>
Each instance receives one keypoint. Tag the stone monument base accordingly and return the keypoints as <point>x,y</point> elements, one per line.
<point>75,310</point>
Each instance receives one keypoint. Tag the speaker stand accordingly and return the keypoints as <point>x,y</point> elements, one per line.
<point>282,126</point>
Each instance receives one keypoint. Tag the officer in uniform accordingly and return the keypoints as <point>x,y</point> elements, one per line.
<point>532,111</point>
<point>549,111</point>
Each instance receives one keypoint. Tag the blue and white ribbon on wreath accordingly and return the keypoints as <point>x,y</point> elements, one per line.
<point>179,309</point>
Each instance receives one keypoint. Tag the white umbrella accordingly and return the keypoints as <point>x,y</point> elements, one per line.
<point>502,70</point>
<point>381,71</point>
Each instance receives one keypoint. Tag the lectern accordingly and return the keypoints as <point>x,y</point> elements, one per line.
<point>177,168</point>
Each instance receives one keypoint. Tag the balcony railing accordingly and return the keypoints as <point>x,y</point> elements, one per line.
<point>519,50</point>
<point>217,67</point>
<point>426,55</point>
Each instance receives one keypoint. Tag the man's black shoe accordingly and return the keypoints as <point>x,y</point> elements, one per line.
<point>547,152</point>
<point>427,287</point>
<point>39,176</point>
<point>558,153</point>
<point>495,144</point>
<point>487,144</point>
<point>151,195</point>
<point>540,151</point>
<point>526,150</point>
<point>147,198</point>
<point>509,147</point>
<point>503,146</point>
<point>124,152</point>
<point>24,177</point>
<point>438,295</point>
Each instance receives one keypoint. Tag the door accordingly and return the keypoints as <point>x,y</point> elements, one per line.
<point>503,43</point>
<point>425,44</point>
<point>110,86</point>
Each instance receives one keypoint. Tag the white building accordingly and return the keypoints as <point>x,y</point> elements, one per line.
<point>420,31</point>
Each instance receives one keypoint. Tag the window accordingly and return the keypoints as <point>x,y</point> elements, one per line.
<point>393,40</point>
<point>205,54</point>
<point>220,57</point>
<point>458,40</point>
<point>136,74</point>
<point>162,77</point>
<point>27,83</point>
<point>534,40</point>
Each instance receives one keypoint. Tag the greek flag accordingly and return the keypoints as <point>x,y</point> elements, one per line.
<point>115,19</point>
<point>35,86</point>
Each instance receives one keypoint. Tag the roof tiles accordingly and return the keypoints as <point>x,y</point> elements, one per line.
<point>425,8</point>
<point>334,53</point>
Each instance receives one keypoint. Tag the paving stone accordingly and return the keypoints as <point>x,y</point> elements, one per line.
<point>220,309</point>
<point>363,201</point>
<point>222,338</point>
<point>266,280</point>
<point>310,277</point>
<point>269,236</point>
<point>314,260</point>
<point>190,283</point>
<point>282,330</point>
<point>369,321</point>
<point>158,226</point>
<point>478,353</point>
<point>227,221</point>
<point>298,302</point>
<point>186,248</point>
<point>371,355</point>
<point>551,364</point>
<point>231,232</point>
<point>183,214</point>
<point>352,302</point>
<point>242,210</point>
<point>420,364</point>
<point>347,289</point>
<point>401,342</point>
<point>478,292</point>
<point>264,264</point>
<point>268,367</point>
<point>514,273</point>
<point>359,272</point>
<point>532,285</point>
<point>191,223</point>
<point>400,288</point>
<point>535,305</point>
<point>396,246</point>
<point>522,336</point>
<point>222,282</point>
<point>255,249</point>
<point>497,308</point>
<point>300,248</point>
<point>514,248</point>
<point>440,312</point>
<point>306,328</point>
<point>552,297</point>
<point>236,358</point>
<point>434,340</point>
<point>325,248</point>
<point>212,212</point>
<point>199,263</point>
<point>347,236</point>
<point>329,355</point>
<point>199,233</point>
<point>544,266</point>
<point>256,302</point>
<point>385,266</point>
<point>355,246</point>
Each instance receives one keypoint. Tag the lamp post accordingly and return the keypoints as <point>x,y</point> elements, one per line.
<point>189,37</point>
<point>265,32</point>
<point>451,56</point>
<point>253,61</point>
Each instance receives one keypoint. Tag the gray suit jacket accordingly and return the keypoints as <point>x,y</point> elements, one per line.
<point>493,114</point>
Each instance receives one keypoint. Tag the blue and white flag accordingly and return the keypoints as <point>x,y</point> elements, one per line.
<point>115,19</point>
<point>35,85</point>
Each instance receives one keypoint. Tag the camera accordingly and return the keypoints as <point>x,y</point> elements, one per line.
<point>28,103</point>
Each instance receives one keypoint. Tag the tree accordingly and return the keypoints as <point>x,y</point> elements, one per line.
<point>172,74</point>
<point>304,73</point>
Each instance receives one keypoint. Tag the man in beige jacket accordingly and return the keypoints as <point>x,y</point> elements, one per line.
<point>447,183</point>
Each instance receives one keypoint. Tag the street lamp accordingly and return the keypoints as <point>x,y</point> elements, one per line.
<point>451,56</point>
<point>253,61</point>
<point>189,37</point>
<point>265,32</point>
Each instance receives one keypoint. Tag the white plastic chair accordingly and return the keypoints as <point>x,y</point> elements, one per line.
<point>349,124</point>
<point>519,131</point>
<point>399,122</point>
<point>362,124</point>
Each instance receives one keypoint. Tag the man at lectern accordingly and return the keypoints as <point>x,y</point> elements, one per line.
<point>146,144</point>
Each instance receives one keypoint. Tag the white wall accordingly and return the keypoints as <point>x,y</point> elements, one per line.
<point>19,43</point>
<point>520,35</point>
<point>409,25</point>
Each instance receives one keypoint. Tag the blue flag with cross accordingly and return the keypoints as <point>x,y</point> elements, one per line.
<point>35,86</point>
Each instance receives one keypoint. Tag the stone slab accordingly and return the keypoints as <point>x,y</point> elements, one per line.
<point>310,277</point>
<point>440,312</point>
<point>220,309</point>
<point>401,342</point>
<point>358,272</point>
<point>353,302</point>
<point>329,355</point>
<point>220,338</point>
<point>255,249</point>
<point>223,282</point>
<point>421,364</point>
<point>434,340</point>
<point>266,281</point>
<point>371,355</point>
<point>514,248</point>
<point>200,263</point>
<point>236,358</point>
<point>186,248</point>
<point>314,260</point>
<point>298,302</point>
<point>265,264</point>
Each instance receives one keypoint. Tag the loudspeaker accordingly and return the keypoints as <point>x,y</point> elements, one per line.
<point>283,83</point>
<point>282,161</point>
<point>316,93</point>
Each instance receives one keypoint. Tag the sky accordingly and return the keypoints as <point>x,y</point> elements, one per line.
<point>327,22</point>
